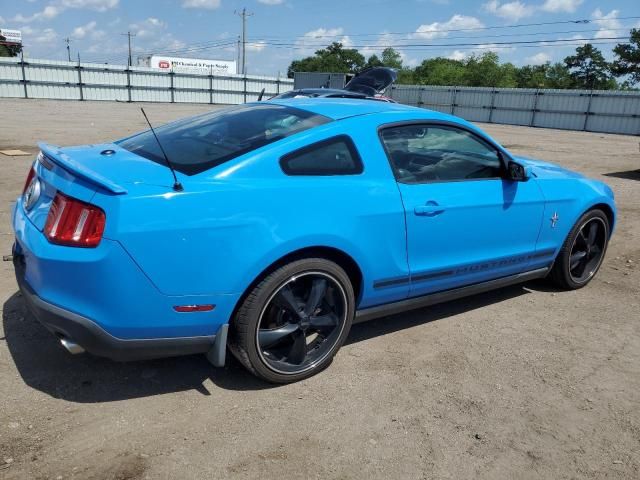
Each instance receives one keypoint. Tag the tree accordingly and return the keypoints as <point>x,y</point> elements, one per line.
<point>440,71</point>
<point>532,76</point>
<point>628,58</point>
<point>589,69</point>
<point>391,58</point>
<point>373,61</point>
<point>559,76</point>
<point>9,49</point>
<point>335,59</point>
<point>485,71</point>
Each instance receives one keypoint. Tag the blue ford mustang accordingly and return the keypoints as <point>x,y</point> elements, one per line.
<point>287,221</point>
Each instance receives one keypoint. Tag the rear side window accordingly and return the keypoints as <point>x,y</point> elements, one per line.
<point>200,143</point>
<point>335,156</point>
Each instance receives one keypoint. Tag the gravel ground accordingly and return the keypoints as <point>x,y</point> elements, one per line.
<point>524,382</point>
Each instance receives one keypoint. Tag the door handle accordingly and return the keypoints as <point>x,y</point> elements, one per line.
<point>429,209</point>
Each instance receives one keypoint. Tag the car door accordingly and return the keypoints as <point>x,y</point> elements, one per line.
<point>466,222</point>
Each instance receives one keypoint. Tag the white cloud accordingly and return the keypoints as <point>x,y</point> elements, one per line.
<point>609,23</point>
<point>207,4</point>
<point>1,20</point>
<point>256,46</point>
<point>148,28</point>
<point>54,9</point>
<point>98,5</point>
<point>539,58</point>
<point>561,5</point>
<point>319,38</point>
<point>511,11</point>
<point>271,2</point>
<point>438,29</point>
<point>40,36</point>
<point>49,12</point>
<point>457,55</point>
<point>89,30</point>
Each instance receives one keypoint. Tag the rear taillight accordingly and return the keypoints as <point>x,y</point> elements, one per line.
<point>74,223</point>
<point>30,175</point>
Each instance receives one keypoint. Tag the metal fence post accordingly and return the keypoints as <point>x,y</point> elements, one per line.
<point>492,104</point>
<point>210,85</point>
<point>171,74</point>
<point>245,89</point>
<point>80,79</point>
<point>128,84</point>
<point>535,107</point>
<point>278,85</point>
<point>453,100</point>
<point>588,112</point>
<point>24,76</point>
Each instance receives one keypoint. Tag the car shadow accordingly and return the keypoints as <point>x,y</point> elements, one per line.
<point>627,175</point>
<point>45,366</point>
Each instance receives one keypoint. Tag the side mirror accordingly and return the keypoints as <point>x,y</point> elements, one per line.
<point>519,173</point>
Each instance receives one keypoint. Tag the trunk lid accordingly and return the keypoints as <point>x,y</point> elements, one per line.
<point>372,81</point>
<point>108,166</point>
<point>82,171</point>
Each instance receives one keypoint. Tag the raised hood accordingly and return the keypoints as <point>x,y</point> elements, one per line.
<point>108,166</point>
<point>372,81</point>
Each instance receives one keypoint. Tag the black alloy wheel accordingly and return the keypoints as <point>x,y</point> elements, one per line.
<point>583,251</point>
<point>293,322</point>
<point>301,322</point>
<point>588,250</point>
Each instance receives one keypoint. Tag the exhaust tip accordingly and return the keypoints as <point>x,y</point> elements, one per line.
<point>72,347</point>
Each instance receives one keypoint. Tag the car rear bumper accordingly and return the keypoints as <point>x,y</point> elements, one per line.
<point>72,328</point>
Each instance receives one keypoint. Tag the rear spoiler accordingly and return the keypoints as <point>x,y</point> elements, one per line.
<point>80,170</point>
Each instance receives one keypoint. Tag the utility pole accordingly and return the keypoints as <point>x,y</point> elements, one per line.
<point>244,14</point>
<point>67,41</point>
<point>129,35</point>
<point>238,56</point>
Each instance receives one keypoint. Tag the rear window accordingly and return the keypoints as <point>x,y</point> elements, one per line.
<point>199,143</point>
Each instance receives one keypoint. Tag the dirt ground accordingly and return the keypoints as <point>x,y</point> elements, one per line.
<point>525,382</point>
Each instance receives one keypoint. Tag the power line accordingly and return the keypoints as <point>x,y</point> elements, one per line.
<point>439,45</point>
<point>449,30</point>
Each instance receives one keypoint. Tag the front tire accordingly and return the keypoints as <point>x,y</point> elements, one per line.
<point>582,252</point>
<point>294,321</point>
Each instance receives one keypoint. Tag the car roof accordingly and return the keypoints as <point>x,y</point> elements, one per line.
<point>339,108</point>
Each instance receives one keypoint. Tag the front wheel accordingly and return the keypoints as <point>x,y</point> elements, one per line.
<point>293,322</point>
<point>582,252</point>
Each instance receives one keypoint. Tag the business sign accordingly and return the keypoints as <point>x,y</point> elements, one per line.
<point>11,36</point>
<point>192,65</point>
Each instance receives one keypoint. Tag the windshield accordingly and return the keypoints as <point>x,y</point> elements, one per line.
<point>196,144</point>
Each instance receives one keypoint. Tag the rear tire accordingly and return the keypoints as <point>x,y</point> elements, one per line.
<point>290,326</point>
<point>582,252</point>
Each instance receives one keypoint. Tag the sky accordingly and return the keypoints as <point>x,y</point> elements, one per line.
<point>279,31</point>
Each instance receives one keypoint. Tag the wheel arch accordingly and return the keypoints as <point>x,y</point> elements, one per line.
<point>608,211</point>
<point>336,255</point>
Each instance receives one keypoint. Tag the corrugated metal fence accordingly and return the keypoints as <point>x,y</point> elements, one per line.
<point>589,110</point>
<point>94,81</point>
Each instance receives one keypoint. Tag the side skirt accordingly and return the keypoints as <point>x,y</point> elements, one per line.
<point>394,308</point>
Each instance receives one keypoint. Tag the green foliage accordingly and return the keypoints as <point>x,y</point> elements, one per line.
<point>9,50</point>
<point>335,58</point>
<point>589,69</point>
<point>391,58</point>
<point>627,62</point>
<point>586,69</point>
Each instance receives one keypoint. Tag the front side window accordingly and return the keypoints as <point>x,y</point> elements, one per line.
<point>427,153</point>
<point>199,143</point>
<point>335,156</point>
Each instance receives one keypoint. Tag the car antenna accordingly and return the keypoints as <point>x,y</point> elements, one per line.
<point>177,186</point>
<point>261,95</point>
